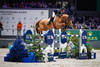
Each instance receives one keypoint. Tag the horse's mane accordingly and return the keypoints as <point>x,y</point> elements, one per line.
<point>37,25</point>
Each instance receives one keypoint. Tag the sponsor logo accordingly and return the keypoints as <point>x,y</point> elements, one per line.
<point>90,33</point>
<point>68,33</point>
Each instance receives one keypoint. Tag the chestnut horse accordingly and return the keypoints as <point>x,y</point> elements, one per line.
<point>58,23</point>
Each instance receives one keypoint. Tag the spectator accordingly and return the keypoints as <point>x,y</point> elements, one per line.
<point>1,27</point>
<point>67,11</point>
<point>98,27</point>
<point>78,25</point>
<point>84,26</point>
<point>30,4</point>
<point>19,27</point>
<point>92,26</point>
<point>8,5</point>
<point>4,5</point>
<point>21,5</point>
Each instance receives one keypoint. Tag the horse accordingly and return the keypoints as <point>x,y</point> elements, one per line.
<point>58,23</point>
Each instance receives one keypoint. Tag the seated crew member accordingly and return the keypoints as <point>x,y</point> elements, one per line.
<point>19,28</point>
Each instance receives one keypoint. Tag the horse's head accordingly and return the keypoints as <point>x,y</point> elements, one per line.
<point>70,24</point>
<point>68,21</point>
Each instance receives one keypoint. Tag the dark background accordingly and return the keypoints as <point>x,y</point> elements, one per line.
<point>90,5</point>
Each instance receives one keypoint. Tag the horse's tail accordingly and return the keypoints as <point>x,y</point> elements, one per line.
<point>37,25</point>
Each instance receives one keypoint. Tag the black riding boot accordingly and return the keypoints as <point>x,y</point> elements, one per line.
<point>51,20</point>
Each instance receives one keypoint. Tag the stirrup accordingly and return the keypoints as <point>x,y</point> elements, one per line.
<point>49,22</point>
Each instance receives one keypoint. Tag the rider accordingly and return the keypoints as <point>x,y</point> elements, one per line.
<point>56,13</point>
<point>52,17</point>
<point>67,11</point>
<point>63,11</point>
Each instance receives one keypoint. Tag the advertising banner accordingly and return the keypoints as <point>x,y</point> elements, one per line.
<point>10,18</point>
<point>92,35</point>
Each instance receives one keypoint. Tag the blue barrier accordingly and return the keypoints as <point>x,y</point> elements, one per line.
<point>94,55</point>
<point>62,55</point>
<point>26,36</point>
<point>56,54</point>
<point>63,37</point>
<point>38,61</point>
<point>31,58</point>
<point>83,56</point>
<point>49,37</point>
<point>50,57</point>
<point>17,51</point>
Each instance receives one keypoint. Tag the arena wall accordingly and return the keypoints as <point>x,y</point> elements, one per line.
<point>10,18</point>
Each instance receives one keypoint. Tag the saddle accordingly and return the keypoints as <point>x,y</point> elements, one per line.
<point>51,20</point>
